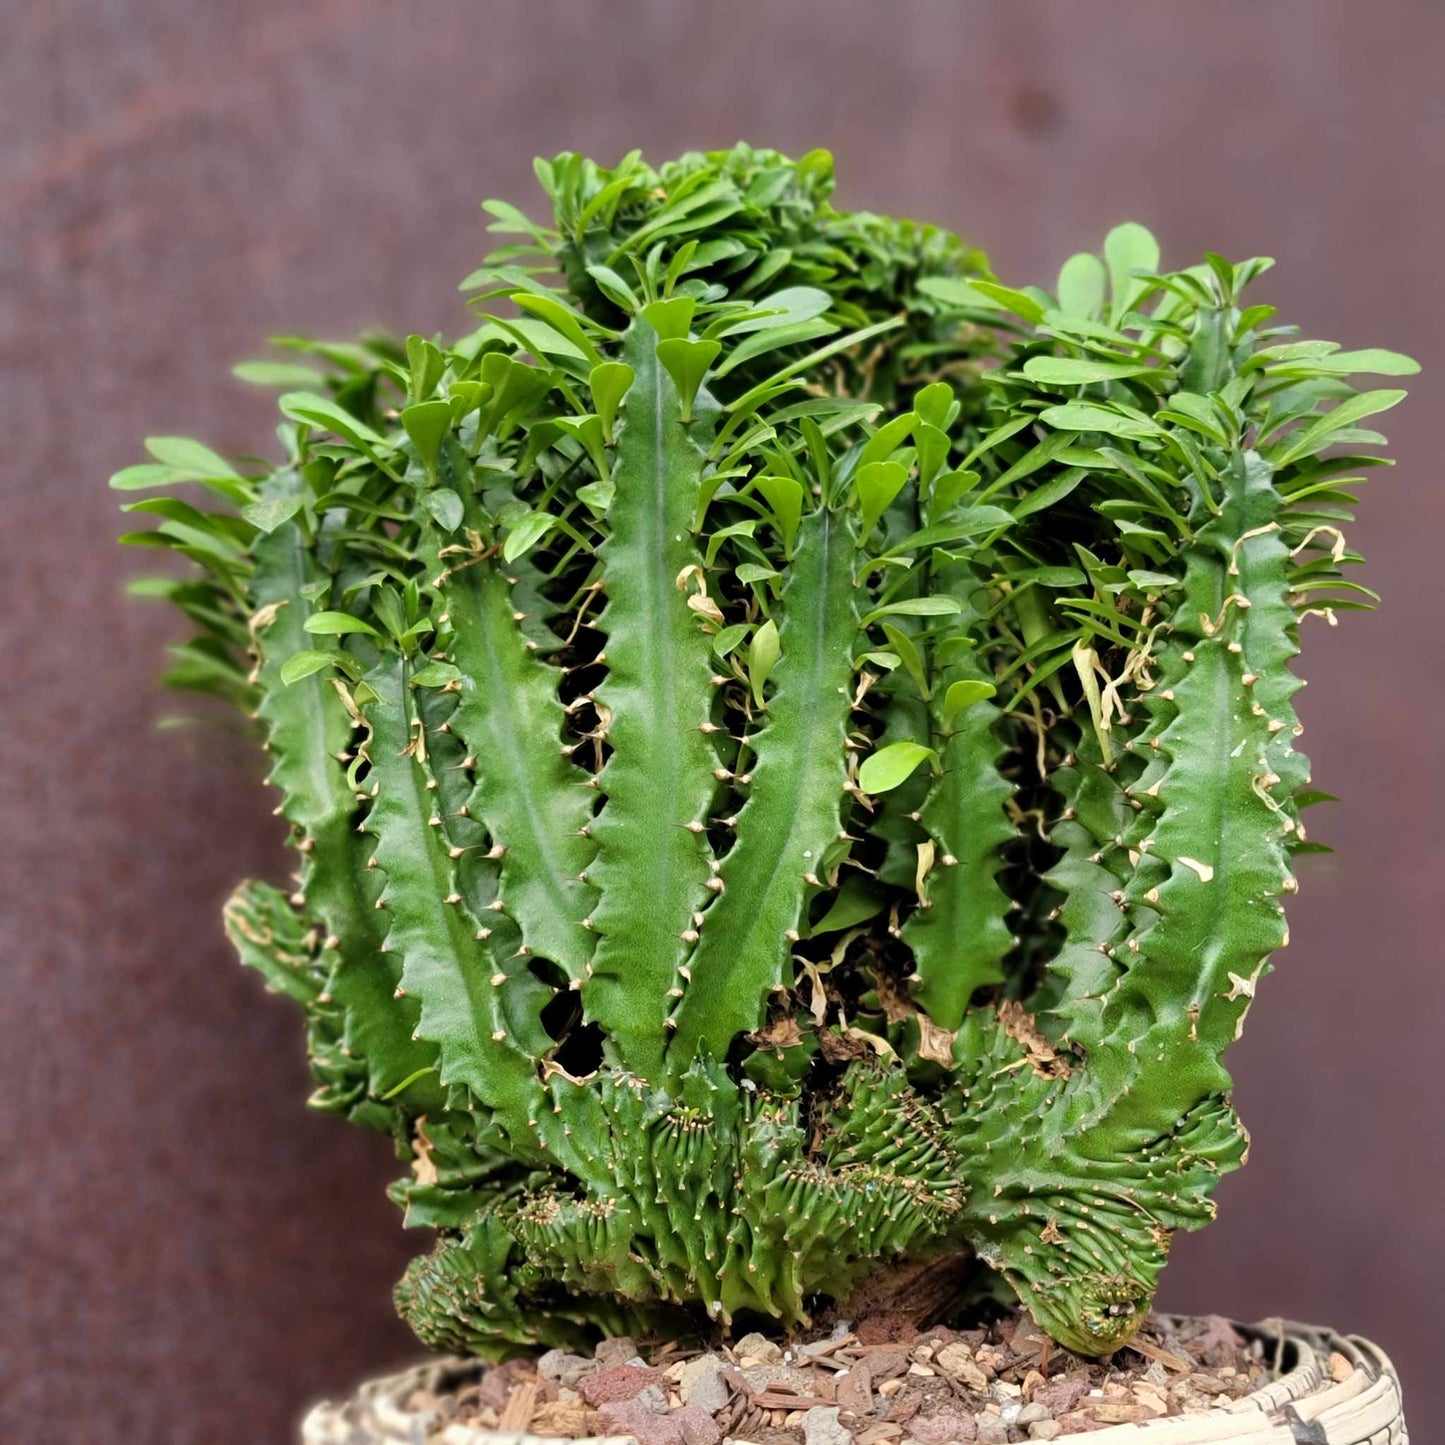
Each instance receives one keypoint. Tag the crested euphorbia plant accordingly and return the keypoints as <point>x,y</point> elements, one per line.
<point>789,746</point>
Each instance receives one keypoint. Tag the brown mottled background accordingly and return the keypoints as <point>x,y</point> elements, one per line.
<point>185,1253</point>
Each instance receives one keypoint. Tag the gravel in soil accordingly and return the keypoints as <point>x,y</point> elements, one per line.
<point>876,1381</point>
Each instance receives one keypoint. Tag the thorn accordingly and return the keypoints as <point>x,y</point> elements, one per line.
<point>498,979</point>
<point>399,992</point>
<point>496,851</point>
<point>497,906</point>
<point>452,898</point>
<point>483,934</point>
<point>715,884</point>
<point>499,1037</point>
<point>695,827</point>
<point>586,923</point>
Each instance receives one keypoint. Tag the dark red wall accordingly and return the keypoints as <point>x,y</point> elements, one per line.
<point>185,1253</point>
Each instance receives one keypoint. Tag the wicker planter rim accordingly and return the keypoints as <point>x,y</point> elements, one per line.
<point>1302,1405</point>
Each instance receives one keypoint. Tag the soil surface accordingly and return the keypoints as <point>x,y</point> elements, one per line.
<point>879,1379</point>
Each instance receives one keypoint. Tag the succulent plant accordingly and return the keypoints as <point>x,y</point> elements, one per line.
<point>788,742</point>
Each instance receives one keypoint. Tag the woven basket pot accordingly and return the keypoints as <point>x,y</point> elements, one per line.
<point>1300,1406</point>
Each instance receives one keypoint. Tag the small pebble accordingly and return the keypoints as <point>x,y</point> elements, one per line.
<point>759,1348</point>
<point>821,1426</point>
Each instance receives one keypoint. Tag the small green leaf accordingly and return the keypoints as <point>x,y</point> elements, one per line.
<point>878,483</point>
<point>304,663</point>
<point>763,653</point>
<point>856,902</point>
<point>751,572</point>
<point>1127,249</point>
<point>426,363</point>
<point>426,424</point>
<point>1077,371</point>
<point>276,373</point>
<point>888,767</point>
<point>1030,308</point>
<point>148,474</point>
<point>319,412</point>
<point>773,339</point>
<point>445,507</point>
<point>1374,360</point>
<point>1082,283</point>
<point>1079,416</point>
<point>964,694</point>
<point>887,439</point>
<point>934,404</point>
<point>909,655</point>
<point>915,607</point>
<point>1053,490</point>
<point>526,532</point>
<point>613,287</point>
<point>189,455</point>
<point>686,362</point>
<point>333,624</point>
<point>981,296</point>
<point>728,638</point>
<point>1147,581</point>
<point>968,523</point>
<point>269,514</point>
<point>436,674</point>
<point>609,383</point>
<point>785,499</point>
<point>562,319</point>
<point>947,491</point>
<point>787,307</point>
<point>954,291</point>
<point>671,319</point>
<point>598,495</point>
<point>1319,433</point>
<point>1050,577</point>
